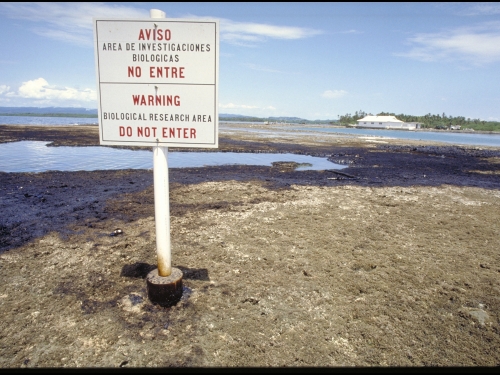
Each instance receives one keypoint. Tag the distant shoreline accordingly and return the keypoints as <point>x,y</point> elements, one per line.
<point>243,122</point>
<point>75,115</point>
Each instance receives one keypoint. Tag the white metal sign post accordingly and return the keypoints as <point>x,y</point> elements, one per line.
<point>158,86</point>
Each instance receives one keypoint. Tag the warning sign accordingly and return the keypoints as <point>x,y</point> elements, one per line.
<point>157,82</point>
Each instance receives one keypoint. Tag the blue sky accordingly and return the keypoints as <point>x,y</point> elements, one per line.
<point>314,61</point>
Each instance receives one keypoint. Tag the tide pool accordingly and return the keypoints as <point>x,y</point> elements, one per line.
<point>35,156</point>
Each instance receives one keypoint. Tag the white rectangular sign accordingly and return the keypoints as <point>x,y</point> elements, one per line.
<point>157,82</point>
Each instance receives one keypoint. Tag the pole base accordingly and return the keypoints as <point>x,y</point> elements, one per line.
<point>164,291</point>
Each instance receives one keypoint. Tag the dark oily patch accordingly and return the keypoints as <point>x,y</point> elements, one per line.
<point>135,299</point>
<point>194,273</point>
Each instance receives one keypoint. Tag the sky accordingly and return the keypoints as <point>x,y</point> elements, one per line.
<point>307,60</point>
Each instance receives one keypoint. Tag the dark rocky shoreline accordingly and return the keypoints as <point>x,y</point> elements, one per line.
<point>32,203</point>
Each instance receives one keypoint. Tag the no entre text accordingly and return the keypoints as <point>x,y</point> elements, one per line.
<point>157,72</point>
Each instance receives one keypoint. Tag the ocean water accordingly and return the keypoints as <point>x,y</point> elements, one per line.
<point>35,156</point>
<point>46,121</point>
<point>446,137</point>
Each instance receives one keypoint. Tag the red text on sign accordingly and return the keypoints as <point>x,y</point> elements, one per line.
<point>154,34</point>
<point>146,131</point>
<point>178,133</point>
<point>125,131</point>
<point>166,71</point>
<point>134,71</point>
<point>157,100</point>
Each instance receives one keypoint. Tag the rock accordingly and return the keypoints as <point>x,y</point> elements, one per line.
<point>116,232</point>
<point>479,315</point>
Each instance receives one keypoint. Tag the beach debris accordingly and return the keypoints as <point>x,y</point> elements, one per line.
<point>116,232</point>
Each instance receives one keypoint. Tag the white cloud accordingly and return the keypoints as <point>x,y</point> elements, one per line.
<point>240,40</point>
<point>261,68</point>
<point>73,37</point>
<point>39,91</point>
<point>351,31</point>
<point>249,33</point>
<point>69,22</point>
<point>472,9</point>
<point>476,45</point>
<point>231,31</point>
<point>72,22</point>
<point>333,94</point>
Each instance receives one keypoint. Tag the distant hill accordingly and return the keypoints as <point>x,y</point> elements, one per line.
<point>288,119</point>
<point>296,120</point>
<point>251,118</point>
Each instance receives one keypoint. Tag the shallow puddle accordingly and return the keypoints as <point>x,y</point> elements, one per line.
<point>35,156</point>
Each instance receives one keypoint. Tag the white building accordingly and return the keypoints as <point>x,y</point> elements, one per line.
<point>385,122</point>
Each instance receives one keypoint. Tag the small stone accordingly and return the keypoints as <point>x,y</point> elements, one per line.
<point>477,314</point>
<point>116,232</point>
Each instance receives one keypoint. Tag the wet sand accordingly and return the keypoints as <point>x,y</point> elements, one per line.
<point>393,263</point>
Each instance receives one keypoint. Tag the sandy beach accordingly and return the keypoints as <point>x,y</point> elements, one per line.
<point>394,262</point>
